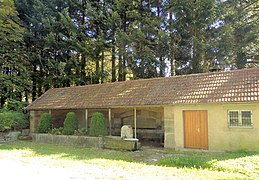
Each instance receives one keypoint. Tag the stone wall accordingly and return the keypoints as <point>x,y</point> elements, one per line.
<point>80,141</point>
<point>115,142</point>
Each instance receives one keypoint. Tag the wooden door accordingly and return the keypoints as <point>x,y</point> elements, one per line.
<point>195,129</point>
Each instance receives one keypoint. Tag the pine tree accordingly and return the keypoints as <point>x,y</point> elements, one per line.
<point>13,74</point>
<point>240,27</point>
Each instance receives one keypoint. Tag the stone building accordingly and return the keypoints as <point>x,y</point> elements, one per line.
<point>212,111</point>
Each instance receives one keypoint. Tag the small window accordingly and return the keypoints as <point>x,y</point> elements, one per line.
<point>246,118</point>
<point>240,118</point>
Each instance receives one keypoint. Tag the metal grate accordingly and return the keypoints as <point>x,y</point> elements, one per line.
<point>240,118</point>
<point>246,118</point>
<point>233,118</point>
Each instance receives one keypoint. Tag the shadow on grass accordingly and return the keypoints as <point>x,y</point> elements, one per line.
<point>202,160</point>
<point>76,153</point>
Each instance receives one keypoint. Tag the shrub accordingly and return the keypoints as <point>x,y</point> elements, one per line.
<point>45,124</point>
<point>81,132</point>
<point>13,120</point>
<point>21,120</point>
<point>57,131</point>
<point>97,125</point>
<point>70,124</point>
<point>14,105</point>
<point>6,121</point>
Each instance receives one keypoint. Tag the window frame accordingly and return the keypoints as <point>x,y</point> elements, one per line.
<point>240,123</point>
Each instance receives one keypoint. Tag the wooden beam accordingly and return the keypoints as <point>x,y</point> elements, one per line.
<point>86,118</point>
<point>110,122</point>
<point>135,122</point>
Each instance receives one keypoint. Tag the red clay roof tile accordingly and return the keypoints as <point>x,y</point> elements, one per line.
<point>218,87</point>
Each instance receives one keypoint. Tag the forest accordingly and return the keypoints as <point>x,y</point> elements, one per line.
<point>62,43</point>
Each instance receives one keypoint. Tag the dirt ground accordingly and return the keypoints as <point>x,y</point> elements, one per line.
<point>151,154</point>
<point>15,169</point>
<point>50,169</point>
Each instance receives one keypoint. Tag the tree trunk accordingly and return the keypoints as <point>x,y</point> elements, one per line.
<point>171,48</point>
<point>161,60</point>
<point>26,95</point>
<point>113,58</point>
<point>124,55</point>
<point>102,67</point>
<point>34,83</point>
<point>2,101</point>
<point>161,67</point>
<point>82,70</point>
<point>124,73</point>
<point>40,82</point>
<point>68,70</point>
<point>120,78</point>
<point>173,66</point>
<point>97,72</point>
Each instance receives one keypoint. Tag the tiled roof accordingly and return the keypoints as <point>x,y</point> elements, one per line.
<point>217,87</point>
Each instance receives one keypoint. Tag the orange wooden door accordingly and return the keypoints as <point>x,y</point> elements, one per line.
<point>195,129</point>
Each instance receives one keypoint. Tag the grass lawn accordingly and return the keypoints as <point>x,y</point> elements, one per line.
<point>43,161</point>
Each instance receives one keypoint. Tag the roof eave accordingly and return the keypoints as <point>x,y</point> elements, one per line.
<point>139,106</point>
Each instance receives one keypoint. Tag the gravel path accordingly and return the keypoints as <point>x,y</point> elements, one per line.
<point>28,167</point>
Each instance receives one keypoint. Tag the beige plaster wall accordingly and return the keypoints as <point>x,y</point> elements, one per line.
<point>169,127</point>
<point>220,136</point>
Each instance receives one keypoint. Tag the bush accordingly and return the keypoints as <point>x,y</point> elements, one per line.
<point>81,132</point>
<point>70,124</point>
<point>97,125</point>
<point>21,120</point>
<point>57,131</point>
<point>14,105</point>
<point>13,120</point>
<point>6,121</point>
<point>45,124</point>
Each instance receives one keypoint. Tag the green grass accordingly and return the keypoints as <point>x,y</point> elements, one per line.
<point>75,153</point>
<point>241,162</point>
<point>190,165</point>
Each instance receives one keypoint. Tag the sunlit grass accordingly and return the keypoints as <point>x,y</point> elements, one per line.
<point>193,165</point>
<point>245,163</point>
<point>31,149</point>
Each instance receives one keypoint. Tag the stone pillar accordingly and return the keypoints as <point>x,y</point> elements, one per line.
<point>135,123</point>
<point>32,122</point>
<point>100,142</point>
<point>169,141</point>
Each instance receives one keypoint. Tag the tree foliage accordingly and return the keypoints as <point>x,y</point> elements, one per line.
<point>14,105</point>
<point>13,73</point>
<point>240,32</point>
<point>13,120</point>
<point>54,43</point>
